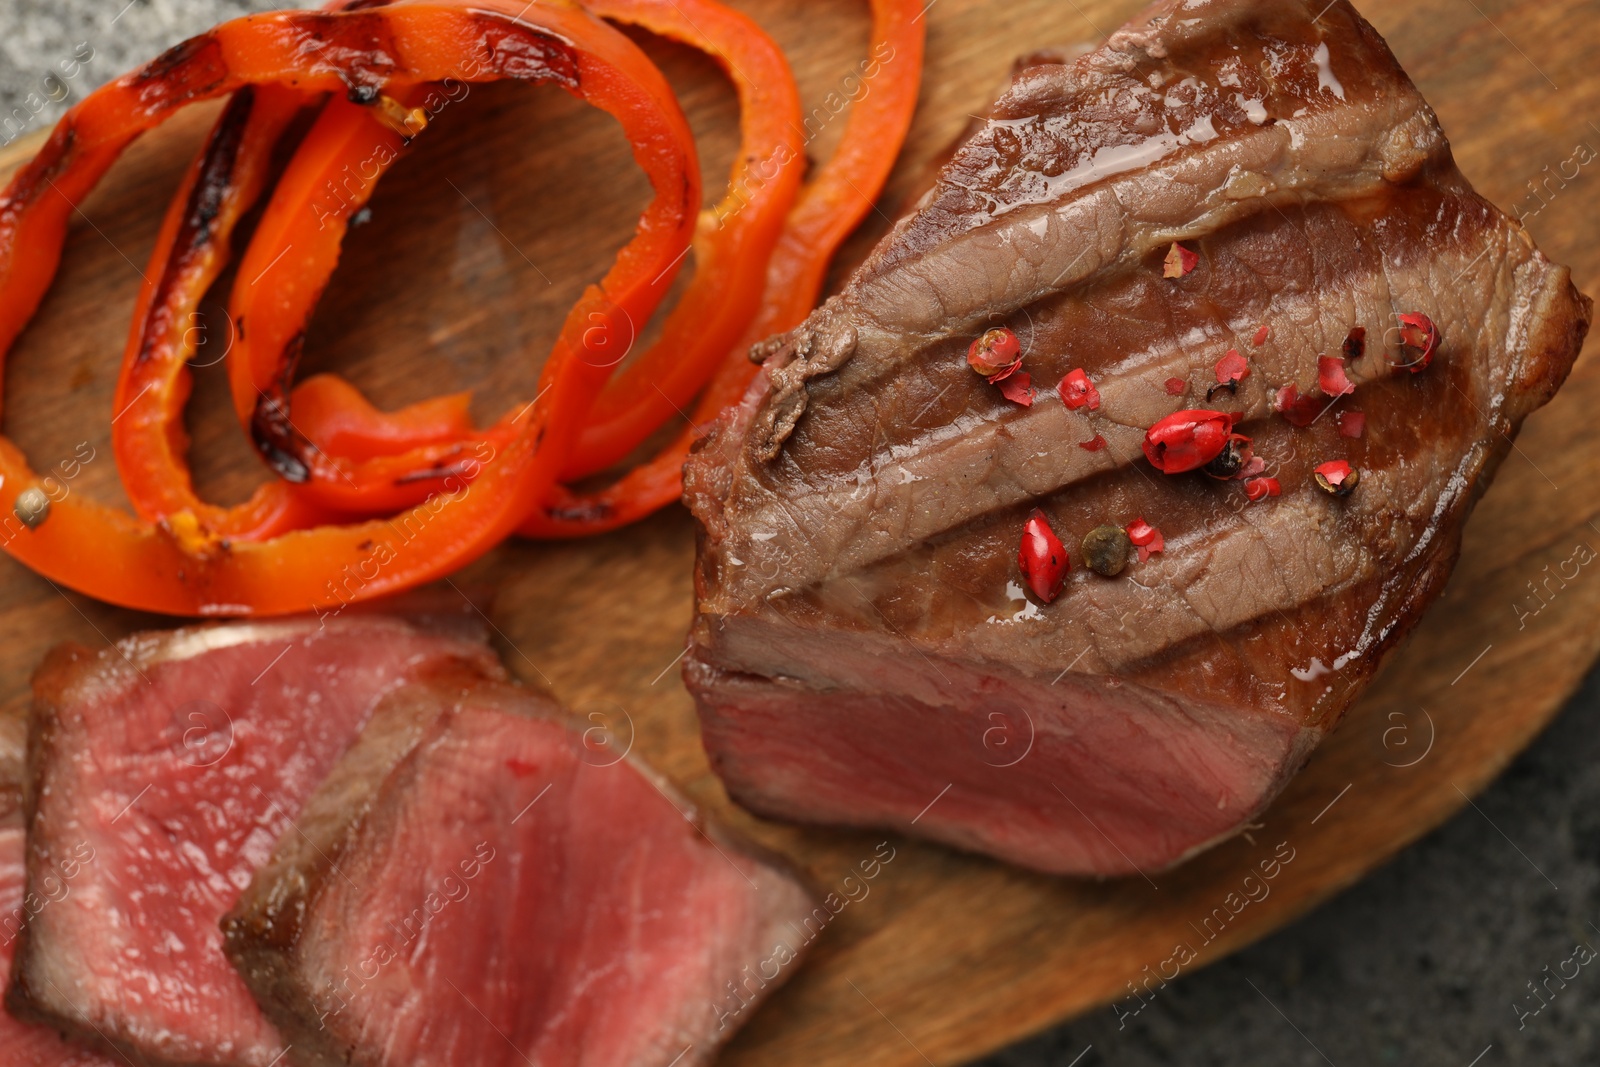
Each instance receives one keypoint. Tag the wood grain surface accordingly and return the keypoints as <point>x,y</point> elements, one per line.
<point>516,198</point>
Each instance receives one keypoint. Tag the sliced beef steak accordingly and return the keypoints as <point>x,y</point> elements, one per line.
<point>476,885</point>
<point>166,768</point>
<point>864,651</point>
<point>24,1044</point>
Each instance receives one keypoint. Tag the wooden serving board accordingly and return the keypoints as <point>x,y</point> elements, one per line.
<point>516,198</point>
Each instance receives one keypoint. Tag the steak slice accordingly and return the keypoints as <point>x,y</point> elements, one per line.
<point>864,652</point>
<point>476,885</point>
<point>167,767</point>
<point>23,1044</point>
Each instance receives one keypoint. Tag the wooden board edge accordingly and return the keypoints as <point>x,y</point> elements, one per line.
<point>23,149</point>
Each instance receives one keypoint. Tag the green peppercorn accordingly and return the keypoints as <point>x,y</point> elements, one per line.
<point>1105,550</point>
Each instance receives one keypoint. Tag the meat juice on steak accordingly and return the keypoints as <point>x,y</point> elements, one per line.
<point>177,759</point>
<point>474,884</point>
<point>864,652</point>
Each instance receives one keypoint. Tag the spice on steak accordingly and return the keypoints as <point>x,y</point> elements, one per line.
<point>1232,460</point>
<point>1297,408</point>
<point>1232,368</point>
<point>1042,558</point>
<point>1105,550</point>
<point>1017,388</point>
<point>1331,378</point>
<point>1337,477</point>
<point>1355,344</point>
<point>995,354</point>
<point>1419,339</point>
<point>1179,261</point>
<point>1146,538</point>
<point>1077,390</point>
<point>1259,488</point>
<point>1187,440</point>
<point>1352,423</point>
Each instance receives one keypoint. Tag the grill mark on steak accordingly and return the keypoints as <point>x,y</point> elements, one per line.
<point>998,454</point>
<point>927,289</point>
<point>177,758</point>
<point>471,888</point>
<point>860,508</point>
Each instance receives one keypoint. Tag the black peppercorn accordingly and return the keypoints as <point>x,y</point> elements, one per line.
<point>1231,460</point>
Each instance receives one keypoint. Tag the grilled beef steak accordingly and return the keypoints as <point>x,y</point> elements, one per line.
<point>165,768</point>
<point>476,885</point>
<point>866,651</point>
<point>24,1044</point>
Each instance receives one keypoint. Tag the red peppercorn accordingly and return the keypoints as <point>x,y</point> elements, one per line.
<point>1257,488</point>
<point>1146,538</point>
<point>995,354</point>
<point>1232,367</point>
<point>1336,477</point>
<point>1233,460</point>
<point>1077,390</point>
<point>1355,344</point>
<point>1331,377</point>
<point>1017,388</point>
<point>1178,262</point>
<point>1042,558</point>
<point>1418,331</point>
<point>1176,386</point>
<point>1140,532</point>
<point>1298,410</point>
<point>1186,440</point>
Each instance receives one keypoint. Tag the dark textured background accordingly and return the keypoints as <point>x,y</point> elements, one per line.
<point>1420,965</point>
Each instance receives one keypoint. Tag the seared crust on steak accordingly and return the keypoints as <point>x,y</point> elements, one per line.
<point>161,770</point>
<point>262,931</point>
<point>861,509</point>
<point>477,884</point>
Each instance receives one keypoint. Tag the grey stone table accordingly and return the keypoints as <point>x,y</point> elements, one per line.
<point>1427,963</point>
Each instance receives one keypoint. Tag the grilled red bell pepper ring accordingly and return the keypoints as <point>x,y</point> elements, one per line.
<point>147,433</point>
<point>735,240</point>
<point>282,275</point>
<point>830,206</point>
<point>298,242</point>
<point>110,554</point>
<point>736,237</point>
<point>193,247</point>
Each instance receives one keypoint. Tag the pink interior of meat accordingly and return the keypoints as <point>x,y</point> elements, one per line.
<point>511,903</point>
<point>863,621</point>
<point>171,791</point>
<point>22,1044</point>
<point>1077,778</point>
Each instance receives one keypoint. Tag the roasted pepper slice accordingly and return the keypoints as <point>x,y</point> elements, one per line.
<point>829,207</point>
<point>362,55</point>
<point>297,246</point>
